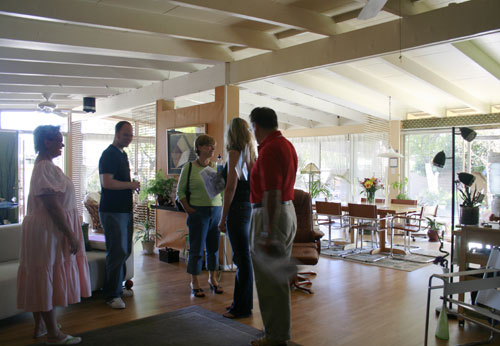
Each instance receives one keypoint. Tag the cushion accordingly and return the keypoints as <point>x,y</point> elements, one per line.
<point>8,287</point>
<point>10,243</point>
<point>305,253</point>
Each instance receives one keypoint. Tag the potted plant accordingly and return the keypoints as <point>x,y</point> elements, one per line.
<point>469,209</point>
<point>433,228</point>
<point>162,188</point>
<point>400,186</point>
<point>147,235</point>
<point>317,188</point>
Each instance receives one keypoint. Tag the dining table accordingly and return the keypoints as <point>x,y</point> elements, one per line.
<point>383,210</point>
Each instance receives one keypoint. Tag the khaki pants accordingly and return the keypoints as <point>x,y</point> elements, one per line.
<point>272,272</point>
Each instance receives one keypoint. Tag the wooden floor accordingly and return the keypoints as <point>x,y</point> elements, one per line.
<point>353,304</point>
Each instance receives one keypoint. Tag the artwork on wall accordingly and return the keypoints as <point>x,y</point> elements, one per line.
<point>180,146</point>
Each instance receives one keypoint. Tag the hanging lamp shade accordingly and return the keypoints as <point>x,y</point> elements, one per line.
<point>390,153</point>
<point>439,160</point>
<point>468,134</point>
<point>310,168</point>
<point>466,178</point>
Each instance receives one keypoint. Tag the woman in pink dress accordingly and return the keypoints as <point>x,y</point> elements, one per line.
<point>53,269</point>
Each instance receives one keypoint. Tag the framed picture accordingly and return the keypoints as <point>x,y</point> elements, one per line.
<point>393,162</point>
<point>180,146</point>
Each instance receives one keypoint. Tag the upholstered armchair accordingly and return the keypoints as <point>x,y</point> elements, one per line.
<point>306,244</point>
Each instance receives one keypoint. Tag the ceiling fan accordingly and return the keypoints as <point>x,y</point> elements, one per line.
<point>48,106</point>
<point>371,9</point>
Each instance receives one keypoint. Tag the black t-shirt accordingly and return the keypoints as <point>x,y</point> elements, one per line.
<point>115,162</point>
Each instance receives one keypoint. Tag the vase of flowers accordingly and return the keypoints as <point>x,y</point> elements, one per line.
<point>370,186</point>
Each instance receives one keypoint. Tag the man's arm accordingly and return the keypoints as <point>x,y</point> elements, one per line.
<point>272,210</point>
<point>109,183</point>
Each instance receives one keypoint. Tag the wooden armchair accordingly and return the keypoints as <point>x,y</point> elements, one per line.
<point>306,244</point>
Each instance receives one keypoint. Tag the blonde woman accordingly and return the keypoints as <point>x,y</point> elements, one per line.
<point>236,212</point>
<point>203,217</point>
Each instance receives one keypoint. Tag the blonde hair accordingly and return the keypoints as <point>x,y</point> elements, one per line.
<point>239,137</point>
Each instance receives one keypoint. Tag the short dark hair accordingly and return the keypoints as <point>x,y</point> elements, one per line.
<point>42,133</point>
<point>120,124</point>
<point>264,117</point>
<point>203,140</point>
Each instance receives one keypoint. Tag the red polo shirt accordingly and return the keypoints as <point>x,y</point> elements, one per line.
<point>275,168</point>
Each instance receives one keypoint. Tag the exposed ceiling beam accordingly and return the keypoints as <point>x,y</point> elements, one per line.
<point>268,12</point>
<point>408,8</point>
<point>376,84</point>
<point>284,118</point>
<point>418,71</point>
<point>203,80</point>
<point>106,16</point>
<point>452,23</point>
<point>476,54</point>
<point>294,96</point>
<point>35,34</point>
<point>57,90</point>
<point>287,108</point>
<point>70,81</point>
<point>69,70</point>
<point>96,60</point>
<point>325,89</point>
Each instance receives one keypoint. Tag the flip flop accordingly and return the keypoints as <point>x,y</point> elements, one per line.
<point>68,340</point>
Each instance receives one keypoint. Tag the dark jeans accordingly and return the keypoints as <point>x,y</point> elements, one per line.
<point>238,228</point>
<point>204,232</point>
<point>118,229</point>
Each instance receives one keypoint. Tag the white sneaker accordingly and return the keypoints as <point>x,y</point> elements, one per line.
<point>116,303</point>
<point>127,293</point>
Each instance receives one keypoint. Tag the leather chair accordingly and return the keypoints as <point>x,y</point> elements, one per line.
<point>307,242</point>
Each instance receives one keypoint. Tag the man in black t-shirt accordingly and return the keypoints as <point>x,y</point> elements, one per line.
<point>115,212</point>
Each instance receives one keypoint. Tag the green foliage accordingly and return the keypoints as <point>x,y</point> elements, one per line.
<point>316,188</point>
<point>401,187</point>
<point>146,233</point>
<point>161,187</point>
<point>433,224</point>
<point>469,199</point>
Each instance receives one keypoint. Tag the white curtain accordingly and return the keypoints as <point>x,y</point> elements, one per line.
<point>367,164</point>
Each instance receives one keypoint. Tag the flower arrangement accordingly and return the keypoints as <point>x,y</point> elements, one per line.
<point>370,186</point>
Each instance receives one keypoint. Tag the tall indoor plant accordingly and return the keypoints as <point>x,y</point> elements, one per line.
<point>469,209</point>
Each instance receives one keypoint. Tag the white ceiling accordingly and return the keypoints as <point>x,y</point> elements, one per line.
<point>312,61</point>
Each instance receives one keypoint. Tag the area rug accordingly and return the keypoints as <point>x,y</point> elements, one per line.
<point>184,327</point>
<point>407,263</point>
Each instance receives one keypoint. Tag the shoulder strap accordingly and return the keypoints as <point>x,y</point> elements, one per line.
<point>189,177</point>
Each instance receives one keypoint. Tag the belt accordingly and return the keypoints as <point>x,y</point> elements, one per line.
<point>259,205</point>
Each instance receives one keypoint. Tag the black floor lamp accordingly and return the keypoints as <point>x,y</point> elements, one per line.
<point>467,179</point>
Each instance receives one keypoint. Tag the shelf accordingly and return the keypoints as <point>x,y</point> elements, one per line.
<point>164,207</point>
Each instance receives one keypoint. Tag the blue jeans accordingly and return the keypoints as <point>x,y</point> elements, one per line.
<point>238,228</point>
<point>118,230</point>
<point>203,232</point>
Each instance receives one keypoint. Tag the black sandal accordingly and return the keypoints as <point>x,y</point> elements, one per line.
<point>198,292</point>
<point>217,289</point>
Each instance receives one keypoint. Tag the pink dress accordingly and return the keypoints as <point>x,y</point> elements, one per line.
<point>48,274</point>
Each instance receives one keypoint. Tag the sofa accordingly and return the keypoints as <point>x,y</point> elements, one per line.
<point>10,241</point>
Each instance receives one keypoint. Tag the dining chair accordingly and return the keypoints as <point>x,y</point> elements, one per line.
<point>413,224</point>
<point>334,217</point>
<point>364,217</point>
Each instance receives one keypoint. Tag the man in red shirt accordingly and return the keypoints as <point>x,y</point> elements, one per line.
<point>273,224</point>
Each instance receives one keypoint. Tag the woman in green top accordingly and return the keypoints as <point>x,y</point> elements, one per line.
<point>203,217</point>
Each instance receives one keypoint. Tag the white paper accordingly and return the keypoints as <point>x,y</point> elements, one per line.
<point>214,182</point>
